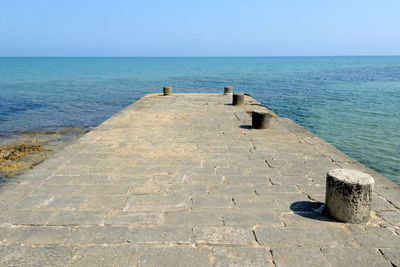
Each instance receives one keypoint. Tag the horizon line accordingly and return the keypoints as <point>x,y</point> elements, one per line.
<point>394,55</point>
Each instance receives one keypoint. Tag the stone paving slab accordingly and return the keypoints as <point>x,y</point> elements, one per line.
<point>183,180</point>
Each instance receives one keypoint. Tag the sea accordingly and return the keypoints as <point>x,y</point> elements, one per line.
<point>351,102</point>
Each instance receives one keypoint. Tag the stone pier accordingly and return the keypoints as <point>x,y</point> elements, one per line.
<point>185,181</point>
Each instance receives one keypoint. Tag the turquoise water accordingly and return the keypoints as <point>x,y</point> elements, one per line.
<point>351,102</point>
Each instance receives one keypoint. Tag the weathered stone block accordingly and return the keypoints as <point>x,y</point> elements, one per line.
<point>194,218</point>
<point>36,256</point>
<point>298,256</point>
<point>26,217</point>
<point>291,180</point>
<point>306,219</point>
<point>34,235</point>
<point>255,202</point>
<point>251,218</point>
<point>267,189</point>
<point>156,202</point>
<point>349,195</point>
<point>103,203</point>
<point>105,190</point>
<point>377,237</point>
<point>106,256</point>
<point>230,190</point>
<point>77,217</point>
<point>51,202</point>
<point>354,257</point>
<point>223,236</point>
<point>174,256</point>
<point>320,236</point>
<point>381,204</point>
<point>242,257</point>
<point>100,235</point>
<point>160,235</point>
<point>247,179</point>
<point>60,190</point>
<point>211,202</point>
<point>392,255</point>
<point>392,217</point>
<point>133,218</point>
<point>190,189</point>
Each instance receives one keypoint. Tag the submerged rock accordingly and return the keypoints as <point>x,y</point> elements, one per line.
<point>25,150</point>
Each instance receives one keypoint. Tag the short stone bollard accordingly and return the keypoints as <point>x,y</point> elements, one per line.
<point>349,195</point>
<point>167,90</point>
<point>260,119</point>
<point>228,90</point>
<point>238,99</point>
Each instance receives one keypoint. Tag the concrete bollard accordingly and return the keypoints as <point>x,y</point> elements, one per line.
<point>167,90</point>
<point>238,99</point>
<point>260,119</point>
<point>349,195</point>
<point>228,90</point>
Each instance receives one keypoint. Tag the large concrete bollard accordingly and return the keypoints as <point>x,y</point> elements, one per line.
<point>167,90</point>
<point>238,99</point>
<point>260,119</point>
<point>349,195</point>
<point>228,90</point>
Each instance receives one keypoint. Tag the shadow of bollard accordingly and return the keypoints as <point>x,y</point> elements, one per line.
<point>247,127</point>
<point>311,210</point>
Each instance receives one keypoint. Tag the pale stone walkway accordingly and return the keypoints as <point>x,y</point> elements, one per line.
<point>184,181</point>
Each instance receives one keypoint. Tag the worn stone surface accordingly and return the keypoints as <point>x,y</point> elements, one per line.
<point>354,257</point>
<point>298,256</point>
<point>160,235</point>
<point>99,235</point>
<point>134,218</point>
<point>175,256</point>
<point>392,255</point>
<point>184,180</point>
<point>194,218</point>
<point>377,237</point>
<point>392,217</point>
<point>34,235</point>
<point>106,256</point>
<point>36,256</point>
<point>317,236</point>
<point>233,236</point>
<point>242,257</point>
<point>253,218</point>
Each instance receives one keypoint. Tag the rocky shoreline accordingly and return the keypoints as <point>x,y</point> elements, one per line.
<point>25,150</point>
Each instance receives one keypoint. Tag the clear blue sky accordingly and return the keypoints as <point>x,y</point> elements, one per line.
<point>199,28</point>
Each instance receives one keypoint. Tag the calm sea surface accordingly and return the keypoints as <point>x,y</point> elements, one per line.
<point>351,102</point>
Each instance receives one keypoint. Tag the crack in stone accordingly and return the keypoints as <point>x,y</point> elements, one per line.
<point>272,183</point>
<point>386,258</point>
<point>255,238</point>
<point>252,144</point>
<point>191,203</point>
<point>255,191</point>
<point>324,256</point>
<point>271,256</point>
<point>269,165</point>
